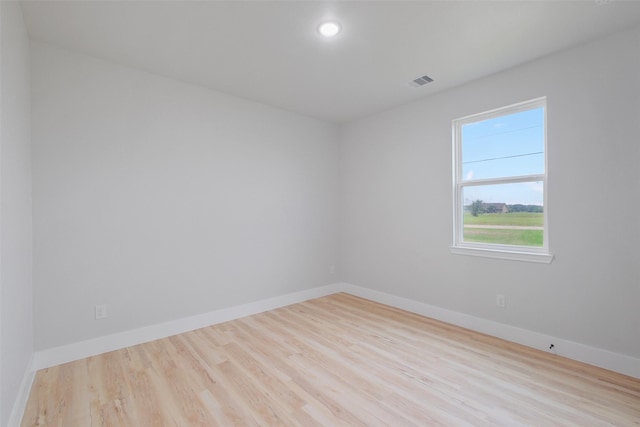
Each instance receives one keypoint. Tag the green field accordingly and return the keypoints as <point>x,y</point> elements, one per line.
<point>531,219</point>
<point>505,236</point>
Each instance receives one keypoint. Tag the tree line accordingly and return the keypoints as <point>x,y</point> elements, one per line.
<point>478,207</point>
<point>525,208</point>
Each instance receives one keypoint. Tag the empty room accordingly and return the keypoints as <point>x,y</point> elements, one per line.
<point>309,213</point>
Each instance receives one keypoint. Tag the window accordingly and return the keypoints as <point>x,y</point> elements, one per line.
<point>500,178</point>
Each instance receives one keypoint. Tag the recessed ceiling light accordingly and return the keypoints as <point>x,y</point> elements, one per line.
<point>329,29</point>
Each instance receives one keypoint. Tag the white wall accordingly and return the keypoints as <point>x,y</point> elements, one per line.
<point>164,200</point>
<point>16,336</point>
<point>396,202</point>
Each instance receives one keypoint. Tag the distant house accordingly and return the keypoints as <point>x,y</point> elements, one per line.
<point>495,207</point>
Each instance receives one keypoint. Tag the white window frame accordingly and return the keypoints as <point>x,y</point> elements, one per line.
<point>493,250</point>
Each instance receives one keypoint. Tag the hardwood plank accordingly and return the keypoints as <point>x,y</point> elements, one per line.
<point>333,361</point>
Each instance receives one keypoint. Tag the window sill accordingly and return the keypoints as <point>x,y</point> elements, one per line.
<point>542,258</point>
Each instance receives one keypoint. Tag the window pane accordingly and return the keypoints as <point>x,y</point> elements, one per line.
<point>509,145</point>
<point>507,214</point>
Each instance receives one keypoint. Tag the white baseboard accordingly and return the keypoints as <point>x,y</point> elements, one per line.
<point>80,350</point>
<point>602,358</point>
<point>594,356</point>
<point>17,412</point>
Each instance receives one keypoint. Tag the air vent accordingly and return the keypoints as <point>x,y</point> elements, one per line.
<point>420,81</point>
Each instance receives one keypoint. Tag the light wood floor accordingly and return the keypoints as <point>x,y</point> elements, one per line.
<point>333,361</point>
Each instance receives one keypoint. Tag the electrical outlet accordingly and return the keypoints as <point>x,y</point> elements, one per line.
<point>501,301</point>
<point>101,311</point>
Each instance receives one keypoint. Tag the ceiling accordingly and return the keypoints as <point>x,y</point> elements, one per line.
<point>270,52</point>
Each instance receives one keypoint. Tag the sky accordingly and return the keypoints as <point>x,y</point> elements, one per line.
<point>511,145</point>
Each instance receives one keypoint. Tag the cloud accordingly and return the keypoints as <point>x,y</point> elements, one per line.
<point>469,175</point>
<point>536,186</point>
